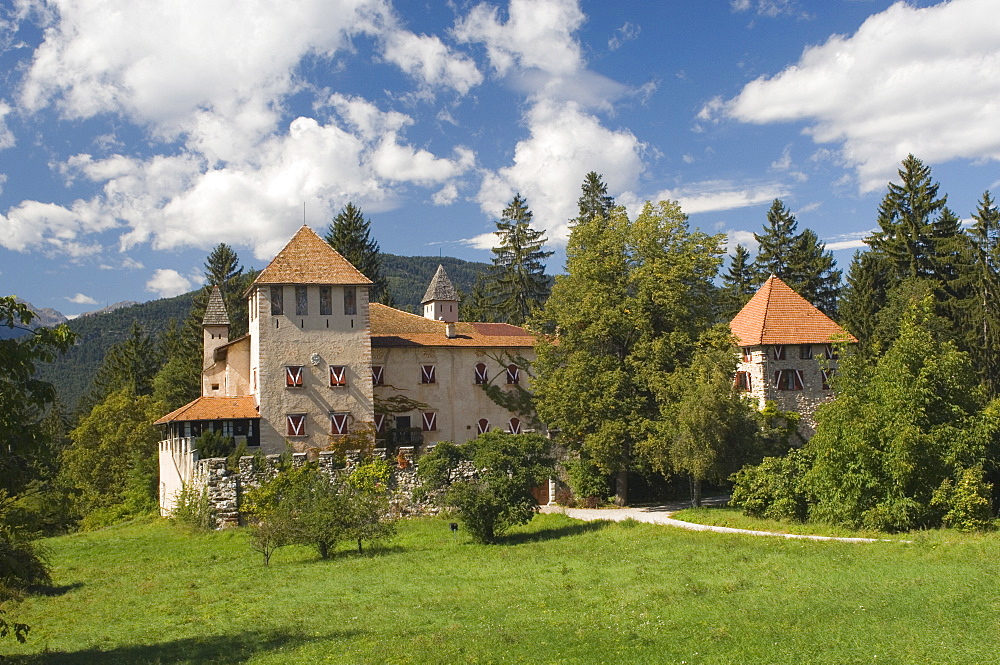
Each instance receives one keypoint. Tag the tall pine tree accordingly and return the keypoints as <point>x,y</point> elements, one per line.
<point>737,283</point>
<point>984,303</point>
<point>519,284</point>
<point>350,234</point>
<point>594,201</point>
<point>776,244</point>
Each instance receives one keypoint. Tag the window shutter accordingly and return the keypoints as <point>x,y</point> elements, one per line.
<point>482,374</point>
<point>427,374</point>
<point>293,376</point>
<point>338,375</point>
<point>483,426</point>
<point>296,424</point>
<point>377,374</point>
<point>380,423</point>
<point>779,351</point>
<point>777,378</point>
<point>429,420</point>
<point>512,374</point>
<point>338,423</point>
<point>514,427</point>
<point>798,383</point>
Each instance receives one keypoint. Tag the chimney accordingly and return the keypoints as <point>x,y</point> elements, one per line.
<point>449,330</point>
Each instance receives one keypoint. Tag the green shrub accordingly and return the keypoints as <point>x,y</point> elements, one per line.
<point>774,488</point>
<point>193,509</point>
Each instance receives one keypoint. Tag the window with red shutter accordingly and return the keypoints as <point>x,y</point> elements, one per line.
<point>296,423</point>
<point>482,374</point>
<point>427,374</point>
<point>742,381</point>
<point>747,354</point>
<point>339,423</point>
<point>293,376</point>
<point>380,423</point>
<point>513,375</point>
<point>788,379</point>
<point>830,351</point>
<point>338,375</point>
<point>429,421</point>
<point>483,426</point>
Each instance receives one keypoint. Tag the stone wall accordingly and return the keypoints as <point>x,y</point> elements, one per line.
<point>226,488</point>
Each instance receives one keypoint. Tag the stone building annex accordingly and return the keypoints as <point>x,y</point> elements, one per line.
<point>320,362</point>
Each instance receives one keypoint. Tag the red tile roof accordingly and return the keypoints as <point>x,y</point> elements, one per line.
<point>392,327</point>
<point>308,259</point>
<point>778,315</point>
<point>213,408</point>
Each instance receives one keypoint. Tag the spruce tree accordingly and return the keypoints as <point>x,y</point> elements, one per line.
<point>984,303</point>
<point>350,234</point>
<point>864,296</point>
<point>775,245</point>
<point>737,283</point>
<point>519,283</point>
<point>594,201</point>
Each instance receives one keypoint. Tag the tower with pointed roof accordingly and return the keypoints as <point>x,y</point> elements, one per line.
<point>788,350</point>
<point>214,327</point>
<point>310,348</point>
<point>441,300</point>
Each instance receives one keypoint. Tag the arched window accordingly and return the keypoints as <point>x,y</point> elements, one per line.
<point>513,375</point>
<point>514,427</point>
<point>483,426</point>
<point>482,374</point>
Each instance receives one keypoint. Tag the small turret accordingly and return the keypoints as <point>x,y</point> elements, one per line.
<point>441,300</point>
<point>215,327</point>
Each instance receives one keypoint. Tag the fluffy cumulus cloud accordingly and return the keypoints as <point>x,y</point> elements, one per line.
<point>167,282</point>
<point>429,60</point>
<point>922,81</point>
<point>81,299</point>
<point>548,167</point>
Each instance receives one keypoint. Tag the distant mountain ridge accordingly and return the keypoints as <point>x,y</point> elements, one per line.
<point>408,277</point>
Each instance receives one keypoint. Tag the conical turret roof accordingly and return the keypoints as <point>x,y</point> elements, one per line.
<point>440,288</point>
<point>215,311</point>
<point>776,314</point>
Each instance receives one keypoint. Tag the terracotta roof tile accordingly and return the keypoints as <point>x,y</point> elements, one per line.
<point>392,327</point>
<point>308,259</point>
<point>778,315</point>
<point>213,408</point>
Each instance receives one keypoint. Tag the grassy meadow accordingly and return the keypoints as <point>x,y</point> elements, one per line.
<point>557,591</point>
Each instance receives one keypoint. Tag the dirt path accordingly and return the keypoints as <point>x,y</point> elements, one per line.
<point>663,514</point>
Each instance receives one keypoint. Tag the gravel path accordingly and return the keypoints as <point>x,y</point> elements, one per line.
<point>663,514</point>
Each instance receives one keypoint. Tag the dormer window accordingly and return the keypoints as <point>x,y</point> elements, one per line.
<point>293,376</point>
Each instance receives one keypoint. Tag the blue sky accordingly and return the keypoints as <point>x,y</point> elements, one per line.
<point>135,135</point>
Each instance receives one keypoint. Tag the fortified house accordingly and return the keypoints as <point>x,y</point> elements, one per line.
<point>788,351</point>
<point>320,363</point>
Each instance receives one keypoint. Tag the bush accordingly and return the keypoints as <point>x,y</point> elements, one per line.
<point>193,509</point>
<point>774,489</point>
<point>967,501</point>
<point>212,444</point>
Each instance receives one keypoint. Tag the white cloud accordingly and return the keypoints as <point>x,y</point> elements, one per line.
<point>537,34</point>
<point>6,136</point>
<point>81,299</point>
<point>446,195</point>
<point>922,81</point>
<point>846,244</point>
<point>429,60</point>
<point>167,283</point>
<point>769,8</point>
<point>744,238</point>
<point>716,195</point>
<point>565,143</point>
<point>626,33</point>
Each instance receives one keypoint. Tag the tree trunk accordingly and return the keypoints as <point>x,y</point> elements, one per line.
<point>621,488</point>
<point>695,492</point>
<point>359,546</point>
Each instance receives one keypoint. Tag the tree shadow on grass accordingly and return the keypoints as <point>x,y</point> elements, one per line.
<point>216,649</point>
<point>552,534</point>
<point>54,590</point>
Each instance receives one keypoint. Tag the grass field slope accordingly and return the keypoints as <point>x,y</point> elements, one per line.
<point>556,591</point>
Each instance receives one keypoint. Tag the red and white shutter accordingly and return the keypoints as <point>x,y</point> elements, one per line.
<point>512,374</point>
<point>429,421</point>
<point>377,374</point>
<point>427,374</point>
<point>338,423</point>
<point>338,375</point>
<point>293,376</point>
<point>482,374</point>
<point>798,383</point>
<point>483,426</point>
<point>380,423</point>
<point>514,426</point>
<point>296,424</point>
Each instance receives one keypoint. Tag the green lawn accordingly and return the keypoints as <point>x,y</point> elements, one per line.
<point>557,591</point>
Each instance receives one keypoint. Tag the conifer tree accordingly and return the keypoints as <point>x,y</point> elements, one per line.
<point>864,296</point>
<point>984,303</point>
<point>737,282</point>
<point>776,244</point>
<point>350,234</point>
<point>594,201</point>
<point>519,283</point>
